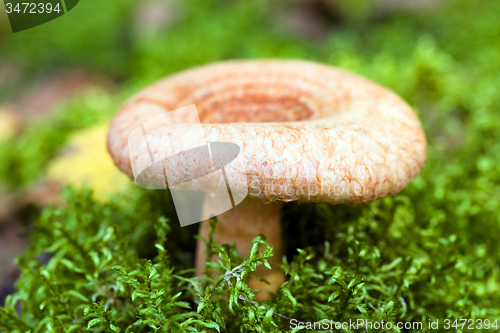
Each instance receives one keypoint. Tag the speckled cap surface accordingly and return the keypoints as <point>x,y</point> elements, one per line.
<point>307,131</point>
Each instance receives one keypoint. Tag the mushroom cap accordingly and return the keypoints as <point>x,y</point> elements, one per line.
<point>307,131</point>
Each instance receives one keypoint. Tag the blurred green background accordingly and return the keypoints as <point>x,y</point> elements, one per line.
<point>62,81</point>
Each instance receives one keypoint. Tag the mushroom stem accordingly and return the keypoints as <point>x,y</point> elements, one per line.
<point>241,225</point>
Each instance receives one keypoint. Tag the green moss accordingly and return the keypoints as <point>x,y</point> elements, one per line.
<point>431,252</point>
<point>392,260</point>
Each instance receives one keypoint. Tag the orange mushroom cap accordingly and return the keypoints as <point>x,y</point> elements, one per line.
<point>307,131</point>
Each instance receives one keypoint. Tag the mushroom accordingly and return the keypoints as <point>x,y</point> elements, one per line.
<point>308,132</point>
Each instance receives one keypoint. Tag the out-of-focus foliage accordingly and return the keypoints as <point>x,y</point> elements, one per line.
<point>85,161</point>
<point>95,35</point>
<point>8,124</point>
<point>431,252</point>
